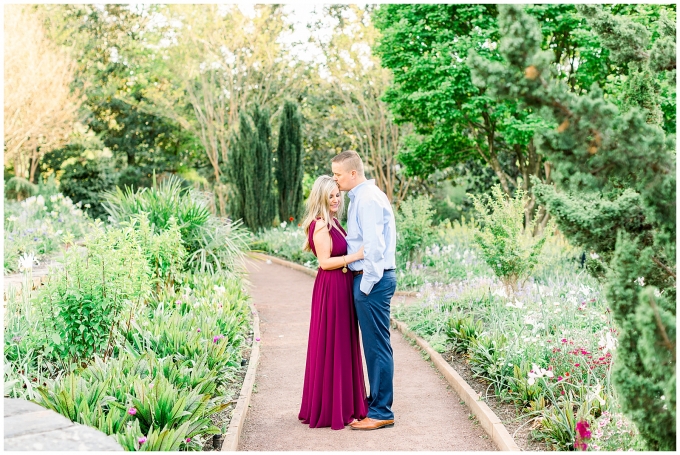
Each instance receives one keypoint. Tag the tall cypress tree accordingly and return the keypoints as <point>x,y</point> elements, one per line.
<point>615,192</point>
<point>289,169</point>
<point>250,170</point>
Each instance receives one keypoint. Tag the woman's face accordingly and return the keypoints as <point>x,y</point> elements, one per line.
<point>334,200</point>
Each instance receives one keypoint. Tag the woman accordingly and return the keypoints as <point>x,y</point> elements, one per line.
<point>333,393</point>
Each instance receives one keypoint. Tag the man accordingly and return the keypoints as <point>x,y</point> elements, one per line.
<point>370,222</point>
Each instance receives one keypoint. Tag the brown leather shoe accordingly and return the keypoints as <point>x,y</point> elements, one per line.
<point>371,424</point>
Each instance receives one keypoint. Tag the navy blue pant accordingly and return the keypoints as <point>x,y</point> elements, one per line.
<point>373,312</point>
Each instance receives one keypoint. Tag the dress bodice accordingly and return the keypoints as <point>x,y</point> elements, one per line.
<point>339,244</point>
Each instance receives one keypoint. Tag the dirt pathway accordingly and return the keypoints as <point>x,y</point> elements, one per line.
<point>428,415</point>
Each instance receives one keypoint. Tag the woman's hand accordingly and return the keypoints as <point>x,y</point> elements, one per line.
<point>359,255</point>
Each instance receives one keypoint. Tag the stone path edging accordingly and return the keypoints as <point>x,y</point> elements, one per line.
<point>310,272</point>
<point>487,418</point>
<point>238,417</point>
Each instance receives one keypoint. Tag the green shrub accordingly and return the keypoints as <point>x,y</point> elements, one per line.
<point>86,181</point>
<point>414,228</point>
<point>507,247</point>
<point>165,252</point>
<point>211,244</point>
<point>83,306</point>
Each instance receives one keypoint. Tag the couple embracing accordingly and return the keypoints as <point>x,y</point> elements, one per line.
<point>355,282</point>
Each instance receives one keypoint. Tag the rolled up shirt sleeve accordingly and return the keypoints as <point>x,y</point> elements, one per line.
<point>373,228</point>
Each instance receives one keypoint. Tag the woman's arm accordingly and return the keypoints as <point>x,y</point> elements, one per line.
<point>322,242</point>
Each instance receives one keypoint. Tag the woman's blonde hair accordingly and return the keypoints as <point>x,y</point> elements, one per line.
<point>318,205</point>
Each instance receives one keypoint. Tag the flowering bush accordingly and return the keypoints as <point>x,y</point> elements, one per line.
<point>37,226</point>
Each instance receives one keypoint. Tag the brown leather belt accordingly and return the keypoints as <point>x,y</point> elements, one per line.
<point>361,272</point>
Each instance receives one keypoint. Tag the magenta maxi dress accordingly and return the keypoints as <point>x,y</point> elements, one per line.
<point>334,393</point>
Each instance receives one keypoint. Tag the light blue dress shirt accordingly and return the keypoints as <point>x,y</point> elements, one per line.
<point>370,222</point>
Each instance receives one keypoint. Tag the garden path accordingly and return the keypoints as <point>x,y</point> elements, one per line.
<point>428,415</point>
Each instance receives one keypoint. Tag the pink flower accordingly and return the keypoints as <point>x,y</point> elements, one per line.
<point>188,440</point>
<point>132,411</point>
<point>257,339</point>
<point>178,302</point>
<point>141,440</point>
<point>559,378</point>
<point>564,340</point>
<point>582,433</point>
<point>577,364</point>
<point>217,338</point>
<point>198,330</point>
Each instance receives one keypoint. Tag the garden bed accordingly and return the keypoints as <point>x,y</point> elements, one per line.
<point>516,423</point>
<point>143,332</point>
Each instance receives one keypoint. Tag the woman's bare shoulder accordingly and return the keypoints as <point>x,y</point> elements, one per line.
<point>320,224</point>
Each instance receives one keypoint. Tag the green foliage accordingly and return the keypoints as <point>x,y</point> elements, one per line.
<point>211,244</point>
<point>165,252</point>
<point>19,188</point>
<point>173,370</point>
<point>250,170</point>
<point>414,228</point>
<point>83,306</point>
<point>462,330</point>
<point>114,83</point>
<point>508,248</point>
<point>289,168</point>
<point>86,180</point>
<point>615,194</point>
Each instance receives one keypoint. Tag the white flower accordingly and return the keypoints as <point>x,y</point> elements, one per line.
<point>12,218</point>
<point>58,232</point>
<point>594,256</point>
<point>40,200</point>
<point>517,304</point>
<point>219,289</point>
<point>500,292</point>
<point>657,293</point>
<point>640,281</point>
<point>269,261</point>
<point>538,372</point>
<point>87,206</point>
<point>284,224</point>
<point>27,261</point>
<point>595,394</point>
<point>608,342</point>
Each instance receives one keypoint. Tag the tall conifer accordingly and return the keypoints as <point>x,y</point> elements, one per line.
<point>615,192</point>
<point>250,170</point>
<point>289,163</point>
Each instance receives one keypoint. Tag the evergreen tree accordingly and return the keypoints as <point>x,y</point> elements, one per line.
<point>289,168</point>
<point>250,170</point>
<point>614,193</point>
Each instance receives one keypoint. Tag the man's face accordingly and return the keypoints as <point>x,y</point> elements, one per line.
<point>345,179</point>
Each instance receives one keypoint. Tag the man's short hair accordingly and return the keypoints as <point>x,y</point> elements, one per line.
<point>350,160</point>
